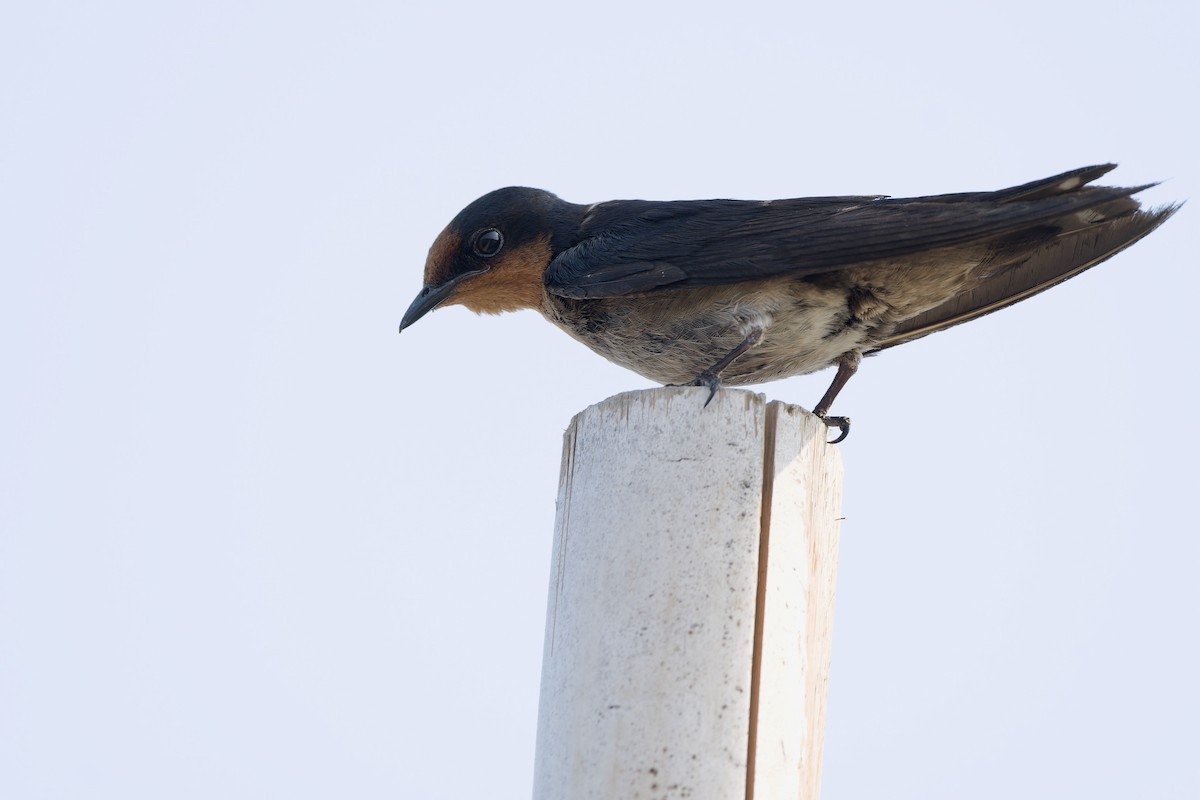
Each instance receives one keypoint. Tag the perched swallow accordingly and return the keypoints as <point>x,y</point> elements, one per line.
<point>705,292</point>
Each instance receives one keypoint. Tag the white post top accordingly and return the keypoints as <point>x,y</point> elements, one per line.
<point>691,597</point>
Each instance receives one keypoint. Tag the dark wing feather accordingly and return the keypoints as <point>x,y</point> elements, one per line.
<point>638,246</point>
<point>1063,258</point>
<point>1034,190</point>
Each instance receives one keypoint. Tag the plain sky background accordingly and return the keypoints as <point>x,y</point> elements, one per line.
<point>255,544</point>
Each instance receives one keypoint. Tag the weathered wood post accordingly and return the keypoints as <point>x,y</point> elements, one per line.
<point>691,594</point>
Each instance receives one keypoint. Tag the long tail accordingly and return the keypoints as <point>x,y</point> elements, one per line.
<point>1081,242</point>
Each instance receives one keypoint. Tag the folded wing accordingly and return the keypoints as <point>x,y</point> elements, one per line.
<point>641,246</point>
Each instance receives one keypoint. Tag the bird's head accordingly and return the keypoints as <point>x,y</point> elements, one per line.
<point>492,257</point>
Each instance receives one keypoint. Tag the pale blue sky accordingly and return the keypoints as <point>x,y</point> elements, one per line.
<point>255,544</point>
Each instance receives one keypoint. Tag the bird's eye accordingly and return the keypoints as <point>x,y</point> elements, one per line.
<point>488,242</point>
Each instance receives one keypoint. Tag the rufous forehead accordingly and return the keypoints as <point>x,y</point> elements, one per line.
<point>441,257</point>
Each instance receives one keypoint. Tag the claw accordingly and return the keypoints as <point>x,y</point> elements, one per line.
<point>847,366</point>
<point>841,423</point>
<point>713,382</point>
<point>711,377</point>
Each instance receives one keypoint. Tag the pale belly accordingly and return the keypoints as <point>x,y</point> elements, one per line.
<point>674,335</point>
<point>672,339</point>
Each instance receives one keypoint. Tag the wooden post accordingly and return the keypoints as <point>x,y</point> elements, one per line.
<point>691,601</point>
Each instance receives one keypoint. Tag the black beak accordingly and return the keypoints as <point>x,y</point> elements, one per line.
<point>431,297</point>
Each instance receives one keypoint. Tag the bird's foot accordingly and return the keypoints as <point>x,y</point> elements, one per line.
<point>707,378</point>
<point>841,423</point>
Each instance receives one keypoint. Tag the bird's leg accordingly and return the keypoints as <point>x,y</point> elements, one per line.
<point>711,377</point>
<point>847,366</point>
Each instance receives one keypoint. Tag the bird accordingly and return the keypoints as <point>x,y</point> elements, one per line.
<point>737,292</point>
